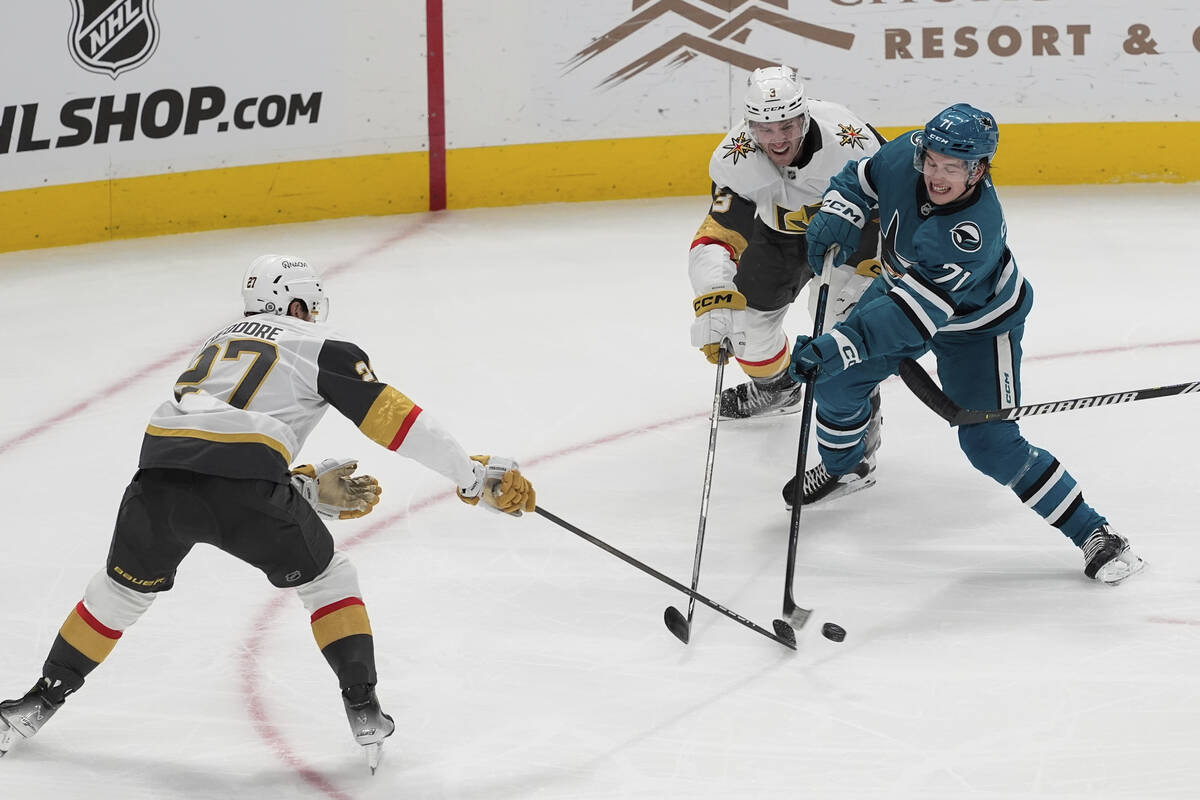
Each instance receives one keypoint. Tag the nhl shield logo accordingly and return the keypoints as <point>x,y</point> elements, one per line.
<point>112,36</point>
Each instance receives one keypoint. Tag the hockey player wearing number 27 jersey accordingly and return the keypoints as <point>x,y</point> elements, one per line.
<point>214,468</point>
<point>950,285</point>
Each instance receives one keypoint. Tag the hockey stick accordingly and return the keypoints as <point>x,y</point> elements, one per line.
<point>796,615</point>
<point>676,622</point>
<point>929,393</point>
<point>783,632</point>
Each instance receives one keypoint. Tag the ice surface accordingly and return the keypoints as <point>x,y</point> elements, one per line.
<point>522,662</point>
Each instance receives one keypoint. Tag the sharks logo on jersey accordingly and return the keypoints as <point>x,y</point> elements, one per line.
<point>894,264</point>
<point>966,237</point>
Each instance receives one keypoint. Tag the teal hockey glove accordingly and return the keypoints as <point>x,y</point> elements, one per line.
<point>840,221</point>
<point>827,355</point>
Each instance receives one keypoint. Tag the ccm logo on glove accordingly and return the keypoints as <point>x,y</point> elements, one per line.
<point>839,206</point>
<point>732,299</point>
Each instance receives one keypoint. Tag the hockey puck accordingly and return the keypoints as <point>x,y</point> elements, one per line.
<point>833,632</point>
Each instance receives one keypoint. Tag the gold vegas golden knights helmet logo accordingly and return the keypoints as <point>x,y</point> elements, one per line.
<point>112,36</point>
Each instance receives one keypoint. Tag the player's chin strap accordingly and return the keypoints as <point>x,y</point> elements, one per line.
<point>334,491</point>
<point>981,166</point>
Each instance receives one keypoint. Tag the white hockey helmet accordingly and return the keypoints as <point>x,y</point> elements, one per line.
<point>774,94</point>
<point>272,282</point>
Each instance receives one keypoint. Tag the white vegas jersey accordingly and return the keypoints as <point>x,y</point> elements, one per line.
<point>750,192</point>
<point>782,194</point>
<point>256,389</point>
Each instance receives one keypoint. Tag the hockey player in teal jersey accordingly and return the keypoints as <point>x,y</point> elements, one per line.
<point>951,286</point>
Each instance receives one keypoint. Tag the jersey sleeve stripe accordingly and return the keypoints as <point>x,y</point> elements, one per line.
<point>211,436</point>
<point>389,418</point>
<point>915,314</point>
<point>864,180</point>
<point>921,289</point>
<point>398,439</point>
<point>1011,299</point>
<point>713,232</point>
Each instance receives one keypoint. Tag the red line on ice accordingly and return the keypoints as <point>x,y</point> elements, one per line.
<point>251,651</point>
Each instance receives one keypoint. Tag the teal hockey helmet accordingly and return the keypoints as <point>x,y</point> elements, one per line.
<point>961,131</point>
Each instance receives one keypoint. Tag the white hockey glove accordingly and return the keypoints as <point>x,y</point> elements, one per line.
<point>330,488</point>
<point>501,485</point>
<point>846,286</point>
<point>720,314</point>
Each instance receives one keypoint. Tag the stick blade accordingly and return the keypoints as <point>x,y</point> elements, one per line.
<point>785,633</point>
<point>799,616</point>
<point>677,624</point>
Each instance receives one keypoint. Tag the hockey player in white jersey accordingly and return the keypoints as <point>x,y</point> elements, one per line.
<point>214,468</point>
<point>748,261</point>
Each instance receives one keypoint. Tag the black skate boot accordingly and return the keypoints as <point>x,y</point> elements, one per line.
<point>1108,558</point>
<point>368,724</point>
<point>762,398</point>
<point>21,719</point>
<point>819,485</point>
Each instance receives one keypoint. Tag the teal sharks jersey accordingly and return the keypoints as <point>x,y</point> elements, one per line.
<point>946,268</point>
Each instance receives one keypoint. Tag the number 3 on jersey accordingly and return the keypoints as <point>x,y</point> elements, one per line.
<point>263,357</point>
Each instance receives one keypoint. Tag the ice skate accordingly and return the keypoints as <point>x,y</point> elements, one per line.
<point>1107,557</point>
<point>21,719</point>
<point>762,398</point>
<point>368,724</point>
<point>820,486</point>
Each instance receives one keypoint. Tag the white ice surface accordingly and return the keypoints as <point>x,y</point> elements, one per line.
<point>522,662</point>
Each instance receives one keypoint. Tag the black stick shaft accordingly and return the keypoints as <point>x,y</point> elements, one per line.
<point>806,415</point>
<point>708,473</point>
<point>651,571</point>
<point>928,392</point>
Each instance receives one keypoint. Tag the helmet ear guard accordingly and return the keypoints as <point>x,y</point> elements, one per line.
<point>273,281</point>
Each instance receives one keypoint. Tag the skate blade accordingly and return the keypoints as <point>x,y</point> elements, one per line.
<point>374,754</point>
<point>8,735</point>
<point>851,488</point>
<point>779,412</point>
<point>1108,578</point>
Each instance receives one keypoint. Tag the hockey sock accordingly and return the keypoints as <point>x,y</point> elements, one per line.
<point>82,643</point>
<point>343,632</point>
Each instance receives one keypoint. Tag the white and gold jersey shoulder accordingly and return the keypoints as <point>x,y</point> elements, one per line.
<point>255,390</point>
<point>836,135</point>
